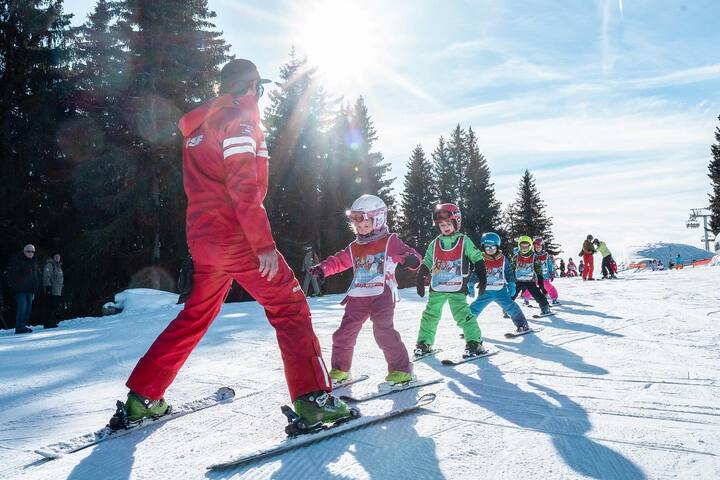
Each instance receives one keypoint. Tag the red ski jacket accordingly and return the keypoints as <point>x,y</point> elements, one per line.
<point>225,173</point>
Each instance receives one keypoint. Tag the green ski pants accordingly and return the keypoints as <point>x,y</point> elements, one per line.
<point>460,311</point>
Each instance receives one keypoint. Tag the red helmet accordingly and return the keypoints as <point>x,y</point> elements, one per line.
<point>446,211</point>
<point>539,242</point>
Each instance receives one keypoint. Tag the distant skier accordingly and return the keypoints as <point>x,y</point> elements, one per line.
<point>678,262</point>
<point>562,267</point>
<point>447,265</point>
<point>373,256</point>
<point>581,267</point>
<point>571,268</point>
<point>500,283</point>
<point>547,272</point>
<point>607,259</point>
<point>587,252</point>
<point>225,173</point>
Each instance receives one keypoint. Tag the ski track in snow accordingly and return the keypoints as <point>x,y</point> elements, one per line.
<point>621,383</point>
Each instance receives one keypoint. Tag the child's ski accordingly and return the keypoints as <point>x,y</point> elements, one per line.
<point>517,334</point>
<point>388,389</point>
<point>57,450</point>
<point>448,362</point>
<point>349,381</point>
<point>542,315</point>
<point>291,443</point>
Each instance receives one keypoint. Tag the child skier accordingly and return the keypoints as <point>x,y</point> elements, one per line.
<point>548,272</point>
<point>571,268</point>
<point>528,268</point>
<point>500,284</point>
<point>373,256</point>
<point>446,263</point>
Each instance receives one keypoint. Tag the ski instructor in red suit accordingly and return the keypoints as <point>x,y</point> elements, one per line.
<point>225,174</point>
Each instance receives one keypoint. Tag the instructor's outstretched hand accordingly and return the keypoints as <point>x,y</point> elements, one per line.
<point>268,264</point>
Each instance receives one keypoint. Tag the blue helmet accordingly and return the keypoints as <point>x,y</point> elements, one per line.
<point>490,238</point>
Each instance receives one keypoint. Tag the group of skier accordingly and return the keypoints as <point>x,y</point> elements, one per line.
<point>225,169</point>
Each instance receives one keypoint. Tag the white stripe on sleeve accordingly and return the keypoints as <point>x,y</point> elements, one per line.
<point>236,150</point>
<point>239,141</point>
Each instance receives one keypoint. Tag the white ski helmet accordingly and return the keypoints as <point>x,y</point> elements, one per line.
<point>369,207</point>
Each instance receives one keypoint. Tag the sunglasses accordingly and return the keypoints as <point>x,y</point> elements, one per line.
<point>29,251</point>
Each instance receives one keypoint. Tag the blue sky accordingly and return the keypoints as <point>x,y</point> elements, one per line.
<point>611,104</point>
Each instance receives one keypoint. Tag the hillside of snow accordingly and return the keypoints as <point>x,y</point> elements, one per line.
<point>622,383</point>
<point>666,252</point>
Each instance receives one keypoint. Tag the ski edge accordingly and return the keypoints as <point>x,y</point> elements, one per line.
<point>453,363</point>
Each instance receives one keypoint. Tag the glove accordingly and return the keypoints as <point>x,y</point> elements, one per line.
<point>411,261</point>
<point>512,289</point>
<point>48,290</point>
<point>317,272</point>
<point>471,285</point>
<point>420,280</point>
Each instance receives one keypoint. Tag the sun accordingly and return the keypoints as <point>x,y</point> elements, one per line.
<point>343,39</point>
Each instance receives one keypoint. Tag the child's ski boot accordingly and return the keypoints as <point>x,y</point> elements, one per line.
<point>422,348</point>
<point>522,329</point>
<point>338,376</point>
<point>135,409</point>
<point>396,377</point>
<point>556,302</point>
<point>473,349</point>
<point>545,310</point>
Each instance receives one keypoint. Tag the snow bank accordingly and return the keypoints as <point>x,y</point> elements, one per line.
<point>138,300</point>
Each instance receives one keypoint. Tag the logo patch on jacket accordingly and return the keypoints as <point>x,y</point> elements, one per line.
<point>194,141</point>
<point>247,130</point>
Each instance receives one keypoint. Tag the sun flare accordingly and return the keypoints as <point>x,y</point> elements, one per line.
<point>343,40</point>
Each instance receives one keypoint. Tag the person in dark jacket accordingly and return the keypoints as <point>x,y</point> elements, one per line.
<point>53,281</point>
<point>24,279</point>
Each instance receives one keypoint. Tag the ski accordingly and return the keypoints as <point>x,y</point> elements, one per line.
<point>388,389</point>
<point>542,315</point>
<point>57,450</point>
<point>349,381</point>
<point>428,354</point>
<point>448,362</point>
<point>291,443</point>
<point>516,334</point>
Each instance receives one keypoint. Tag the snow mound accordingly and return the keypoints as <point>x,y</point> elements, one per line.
<point>665,252</point>
<point>138,300</point>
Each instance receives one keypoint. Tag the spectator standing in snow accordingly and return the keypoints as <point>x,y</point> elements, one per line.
<point>562,267</point>
<point>587,252</point>
<point>24,280</point>
<point>53,282</point>
<point>309,261</point>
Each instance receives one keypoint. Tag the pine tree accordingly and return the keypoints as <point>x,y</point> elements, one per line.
<point>527,215</point>
<point>443,173</point>
<point>458,157</point>
<point>35,206</point>
<point>372,169</point>
<point>418,201</point>
<point>482,210</point>
<point>714,175</point>
<point>296,121</point>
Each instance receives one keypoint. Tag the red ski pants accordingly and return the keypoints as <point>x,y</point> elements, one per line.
<point>215,267</point>
<point>588,270</point>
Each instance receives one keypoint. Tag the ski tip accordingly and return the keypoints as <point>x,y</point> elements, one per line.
<point>426,399</point>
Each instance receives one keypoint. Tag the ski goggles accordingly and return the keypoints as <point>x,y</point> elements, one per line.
<point>442,215</point>
<point>358,217</point>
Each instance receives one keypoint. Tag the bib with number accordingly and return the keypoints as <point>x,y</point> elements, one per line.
<point>447,274</point>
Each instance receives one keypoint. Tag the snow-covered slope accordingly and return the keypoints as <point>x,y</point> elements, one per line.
<point>666,252</point>
<point>621,384</point>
